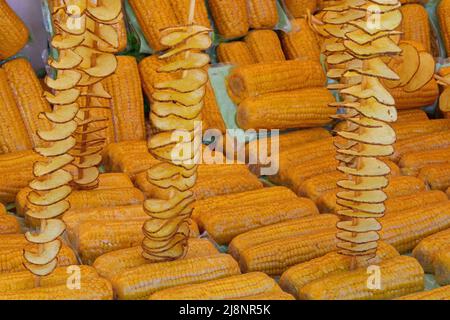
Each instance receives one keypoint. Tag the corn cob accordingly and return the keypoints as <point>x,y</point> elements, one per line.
<point>404,231</point>
<point>442,266</point>
<point>114,181</point>
<point>211,114</point>
<point>181,11</point>
<point>90,289</point>
<point>257,197</point>
<point>262,14</point>
<point>134,163</point>
<point>116,262</point>
<point>401,276</point>
<point>297,174</point>
<point>285,141</point>
<point>301,43</point>
<point>257,79</point>
<point>411,163</point>
<point>428,249</point>
<point>413,129</point>
<point>415,25</point>
<point>426,96</point>
<point>276,256</point>
<point>443,13</point>
<point>9,224</point>
<point>296,277</point>
<point>16,170</point>
<point>299,8</point>
<point>12,241</point>
<point>286,229</point>
<point>116,151</point>
<point>301,153</point>
<point>141,282</point>
<point>154,16</point>
<point>230,17</point>
<point>442,293</point>
<point>448,192</point>
<point>437,176</point>
<point>403,193</point>
<point>95,238</point>
<point>238,286</point>
<point>236,52</point>
<point>12,260</point>
<point>14,33</point>
<point>265,46</point>
<point>411,115</point>
<point>268,296</point>
<point>284,110</point>
<point>426,142</point>
<point>227,179</point>
<point>24,280</point>
<point>2,210</point>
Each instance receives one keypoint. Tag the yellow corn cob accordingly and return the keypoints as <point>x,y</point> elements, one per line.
<point>415,25</point>
<point>12,241</point>
<point>11,258</point>
<point>90,289</point>
<point>303,108</point>
<point>404,231</point>
<point>235,52</point>
<point>403,193</point>
<point>116,262</point>
<point>301,42</point>
<point>426,96</point>
<point>121,30</point>
<point>9,224</point>
<point>299,173</point>
<point>134,163</point>
<point>443,13</point>
<point>296,277</point>
<point>274,257</point>
<point>142,281</point>
<point>448,192</point>
<point>257,79</point>
<point>154,16</point>
<point>213,180</point>
<point>286,141</point>
<point>87,199</point>
<point>230,17</point>
<point>95,238</point>
<point>301,153</point>
<point>238,286</point>
<point>268,296</point>
<point>298,8</point>
<point>426,142</point>
<point>13,32</point>
<point>428,249</point>
<point>411,115</point>
<point>262,14</point>
<point>2,209</point>
<point>16,170</point>
<point>225,221</point>
<point>411,163</point>
<point>181,11</point>
<point>211,114</point>
<point>442,293</point>
<point>13,132</point>
<point>114,181</point>
<point>24,280</point>
<point>315,187</point>
<point>400,276</point>
<point>265,46</point>
<point>442,266</point>
<point>116,151</point>
<point>321,4</point>
<point>437,176</point>
<point>405,131</point>
<point>286,229</point>
<point>127,103</point>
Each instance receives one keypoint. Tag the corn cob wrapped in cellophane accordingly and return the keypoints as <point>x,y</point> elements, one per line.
<point>9,224</point>
<point>442,266</point>
<point>411,163</point>
<point>257,79</point>
<point>264,46</point>
<point>442,293</point>
<point>428,142</point>
<point>296,277</point>
<point>13,32</point>
<point>299,8</point>
<point>230,17</point>
<point>408,130</point>
<point>411,115</point>
<point>238,286</point>
<point>176,115</point>
<point>116,262</point>
<point>437,176</point>
<point>428,249</point>
<point>286,229</point>
<point>426,96</point>
<point>303,108</point>
<point>415,25</point>
<point>141,282</point>
<point>262,14</point>
<point>181,11</point>
<point>235,52</point>
<point>300,43</point>
<point>400,276</point>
